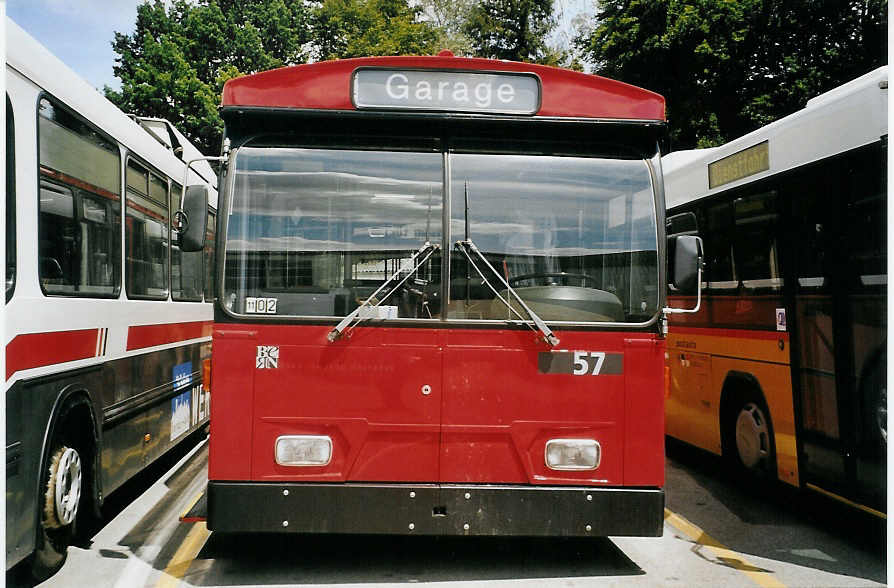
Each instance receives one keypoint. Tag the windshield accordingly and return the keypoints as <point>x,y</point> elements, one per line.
<point>574,236</point>
<point>316,232</point>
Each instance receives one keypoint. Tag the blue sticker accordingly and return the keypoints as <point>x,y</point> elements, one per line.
<point>182,375</point>
<point>180,414</point>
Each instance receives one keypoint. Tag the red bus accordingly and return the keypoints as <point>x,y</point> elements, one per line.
<point>440,302</point>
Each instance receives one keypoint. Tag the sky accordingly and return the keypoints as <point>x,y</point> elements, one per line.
<point>80,32</point>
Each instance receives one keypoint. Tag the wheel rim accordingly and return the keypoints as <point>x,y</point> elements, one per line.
<point>67,492</point>
<point>752,436</point>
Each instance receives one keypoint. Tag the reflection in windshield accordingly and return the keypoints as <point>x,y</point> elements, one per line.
<point>321,230</point>
<point>576,237</point>
<point>315,232</point>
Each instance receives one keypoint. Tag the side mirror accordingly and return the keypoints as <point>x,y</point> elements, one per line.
<point>684,223</point>
<point>193,217</point>
<point>687,263</point>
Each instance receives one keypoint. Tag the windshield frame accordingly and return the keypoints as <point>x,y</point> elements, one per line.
<point>653,166</point>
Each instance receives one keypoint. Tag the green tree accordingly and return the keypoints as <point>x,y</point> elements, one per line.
<point>361,28</point>
<point>727,67</point>
<point>449,18</point>
<point>182,52</point>
<point>175,63</point>
<point>513,29</point>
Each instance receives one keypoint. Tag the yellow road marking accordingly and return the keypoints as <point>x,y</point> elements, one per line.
<point>859,506</point>
<point>184,556</point>
<point>192,504</point>
<point>729,557</point>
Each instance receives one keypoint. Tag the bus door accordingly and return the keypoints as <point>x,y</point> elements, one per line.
<point>376,395</point>
<point>840,286</point>
<point>336,232</point>
<point>506,395</point>
<point>574,238</point>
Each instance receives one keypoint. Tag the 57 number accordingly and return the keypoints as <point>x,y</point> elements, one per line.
<point>584,360</point>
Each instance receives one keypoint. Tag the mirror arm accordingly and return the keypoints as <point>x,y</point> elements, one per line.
<point>698,299</point>
<point>220,158</point>
<point>180,216</point>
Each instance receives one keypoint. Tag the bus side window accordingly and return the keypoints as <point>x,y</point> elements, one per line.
<point>720,267</point>
<point>866,291</point>
<point>186,268</point>
<point>10,202</point>
<point>146,234</point>
<point>79,208</point>
<point>755,246</point>
<point>866,219</point>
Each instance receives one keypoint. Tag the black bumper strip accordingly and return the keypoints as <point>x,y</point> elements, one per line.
<point>431,509</point>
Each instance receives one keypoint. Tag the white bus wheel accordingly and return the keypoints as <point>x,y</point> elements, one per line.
<point>63,489</point>
<point>753,443</point>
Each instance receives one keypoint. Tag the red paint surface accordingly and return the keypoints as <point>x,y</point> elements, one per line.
<point>499,412</point>
<point>40,349</point>
<point>232,414</point>
<point>734,312</point>
<point>734,333</point>
<point>644,411</point>
<point>327,85</point>
<point>142,336</point>
<point>486,419</point>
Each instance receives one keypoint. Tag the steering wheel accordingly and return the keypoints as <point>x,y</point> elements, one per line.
<point>550,277</point>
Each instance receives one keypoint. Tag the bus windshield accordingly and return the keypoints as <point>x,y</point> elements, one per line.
<point>315,232</point>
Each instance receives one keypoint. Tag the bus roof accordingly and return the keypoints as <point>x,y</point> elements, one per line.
<point>35,62</point>
<point>328,85</point>
<point>849,116</point>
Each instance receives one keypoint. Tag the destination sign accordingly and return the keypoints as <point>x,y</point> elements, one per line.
<point>742,164</point>
<point>446,90</point>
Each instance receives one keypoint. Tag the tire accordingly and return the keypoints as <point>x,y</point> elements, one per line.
<point>61,503</point>
<point>748,442</point>
<point>874,394</point>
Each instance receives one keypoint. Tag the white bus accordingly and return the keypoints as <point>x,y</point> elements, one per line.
<point>108,323</point>
<point>783,371</point>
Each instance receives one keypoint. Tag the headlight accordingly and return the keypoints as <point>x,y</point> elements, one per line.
<point>303,450</point>
<point>572,454</point>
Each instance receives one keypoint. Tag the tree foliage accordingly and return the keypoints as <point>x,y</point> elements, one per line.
<point>727,67</point>
<point>360,28</point>
<point>182,52</point>
<point>513,29</point>
<point>449,17</point>
<point>175,63</point>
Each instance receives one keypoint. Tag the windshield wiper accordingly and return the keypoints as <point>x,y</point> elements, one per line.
<point>427,250</point>
<point>468,245</point>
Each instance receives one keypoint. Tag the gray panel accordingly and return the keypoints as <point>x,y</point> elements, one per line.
<point>453,91</point>
<point>562,362</point>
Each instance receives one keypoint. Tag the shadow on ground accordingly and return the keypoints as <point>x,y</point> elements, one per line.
<point>773,520</point>
<point>286,559</point>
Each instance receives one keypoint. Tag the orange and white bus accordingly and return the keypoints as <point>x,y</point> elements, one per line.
<point>107,322</point>
<point>783,369</point>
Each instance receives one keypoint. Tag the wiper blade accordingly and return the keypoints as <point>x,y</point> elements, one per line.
<point>466,246</point>
<point>426,250</point>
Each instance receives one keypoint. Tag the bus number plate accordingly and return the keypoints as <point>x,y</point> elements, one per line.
<point>580,363</point>
<point>260,305</point>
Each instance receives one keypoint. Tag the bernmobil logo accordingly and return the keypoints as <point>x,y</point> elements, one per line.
<point>267,358</point>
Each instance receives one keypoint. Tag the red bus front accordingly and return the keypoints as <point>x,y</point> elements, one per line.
<point>440,291</point>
